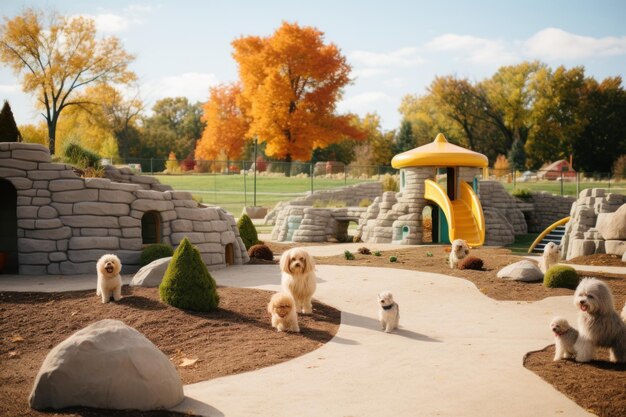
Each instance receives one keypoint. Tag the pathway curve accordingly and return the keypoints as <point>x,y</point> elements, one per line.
<point>457,353</point>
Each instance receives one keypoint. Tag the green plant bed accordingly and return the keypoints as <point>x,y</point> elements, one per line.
<point>154,252</point>
<point>561,276</point>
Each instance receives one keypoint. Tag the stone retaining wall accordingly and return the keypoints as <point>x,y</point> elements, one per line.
<point>66,223</point>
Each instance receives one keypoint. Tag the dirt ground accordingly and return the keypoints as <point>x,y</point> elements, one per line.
<point>238,338</point>
<point>235,338</point>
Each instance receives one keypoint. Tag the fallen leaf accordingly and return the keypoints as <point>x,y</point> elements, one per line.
<point>188,362</point>
<point>73,313</point>
<point>14,354</point>
<point>17,338</point>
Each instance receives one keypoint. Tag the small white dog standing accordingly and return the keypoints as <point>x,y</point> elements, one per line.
<point>109,279</point>
<point>298,278</point>
<point>459,250</point>
<point>389,313</point>
<point>551,256</point>
<point>565,338</point>
<point>599,323</point>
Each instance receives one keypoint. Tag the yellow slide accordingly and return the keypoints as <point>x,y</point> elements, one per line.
<point>464,215</point>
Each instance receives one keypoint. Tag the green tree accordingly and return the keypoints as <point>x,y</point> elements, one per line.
<point>517,156</point>
<point>341,151</point>
<point>57,60</point>
<point>405,140</point>
<point>8,128</point>
<point>175,125</point>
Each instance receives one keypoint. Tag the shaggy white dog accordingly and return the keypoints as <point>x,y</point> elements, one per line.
<point>459,250</point>
<point>389,313</point>
<point>282,308</point>
<point>551,256</point>
<point>565,337</point>
<point>298,278</point>
<point>109,279</point>
<point>598,322</point>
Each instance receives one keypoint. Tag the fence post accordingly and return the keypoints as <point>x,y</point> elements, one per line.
<point>577,184</point>
<point>514,182</point>
<point>311,172</point>
<point>561,183</point>
<point>378,169</point>
<point>609,182</point>
<point>151,170</point>
<point>245,187</point>
<point>345,175</point>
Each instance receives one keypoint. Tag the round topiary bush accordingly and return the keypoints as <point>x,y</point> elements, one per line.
<point>247,231</point>
<point>187,283</point>
<point>561,276</point>
<point>470,262</point>
<point>261,252</point>
<point>154,252</point>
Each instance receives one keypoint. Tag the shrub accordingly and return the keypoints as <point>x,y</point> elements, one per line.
<point>247,231</point>
<point>366,202</point>
<point>393,259</point>
<point>377,253</point>
<point>154,252</point>
<point>390,183</point>
<point>348,255</point>
<point>75,154</point>
<point>171,165</point>
<point>470,262</point>
<point>364,251</point>
<point>619,168</point>
<point>561,276</point>
<point>261,252</point>
<point>429,254</point>
<point>523,194</point>
<point>187,283</point>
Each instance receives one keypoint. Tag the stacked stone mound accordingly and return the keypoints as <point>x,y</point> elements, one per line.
<point>547,209</point>
<point>126,175</point>
<point>598,224</point>
<point>107,365</point>
<point>351,195</point>
<point>399,218</point>
<point>66,223</point>
<point>504,214</point>
<point>308,224</point>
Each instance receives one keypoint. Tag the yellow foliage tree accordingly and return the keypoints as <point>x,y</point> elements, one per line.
<point>32,133</point>
<point>58,59</point>
<point>291,82</point>
<point>226,124</point>
<point>501,166</point>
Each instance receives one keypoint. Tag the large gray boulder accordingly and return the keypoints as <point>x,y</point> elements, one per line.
<point>525,271</point>
<point>152,274</point>
<point>612,226</point>
<point>106,365</point>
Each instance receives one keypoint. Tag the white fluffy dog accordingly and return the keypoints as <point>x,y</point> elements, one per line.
<point>598,322</point>
<point>551,256</point>
<point>565,338</point>
<point>109,279</point>
<point>459,250</point>
<point>282,308</point>
<point>298,278</point>
<point>389,313</point>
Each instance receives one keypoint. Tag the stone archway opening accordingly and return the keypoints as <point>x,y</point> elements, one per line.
<point>229,254</point>
<point>151,228</point>
<point>8,228</point>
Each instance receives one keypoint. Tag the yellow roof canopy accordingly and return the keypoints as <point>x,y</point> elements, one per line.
<point>439,153</point>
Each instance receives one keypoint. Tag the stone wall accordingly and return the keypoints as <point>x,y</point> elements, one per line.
<point>547,209</point>
<point>308,224</point>
<point>589,211</point>
<point>65,223</point>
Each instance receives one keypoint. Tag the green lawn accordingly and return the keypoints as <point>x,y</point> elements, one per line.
<point>522,243</point>
<point>227,191</point>
<point>568,188</point>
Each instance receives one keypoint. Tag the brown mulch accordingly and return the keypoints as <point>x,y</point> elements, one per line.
<point>235,338</point>
<point>599,386</point>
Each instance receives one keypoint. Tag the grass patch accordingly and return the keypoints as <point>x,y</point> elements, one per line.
<point>522,243</point>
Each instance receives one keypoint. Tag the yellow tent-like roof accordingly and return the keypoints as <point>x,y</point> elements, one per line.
<point>439,153</point>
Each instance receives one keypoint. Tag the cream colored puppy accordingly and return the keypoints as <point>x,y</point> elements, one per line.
<point>459,250</point>
<point>551,256</point>
<point>109,279</point>
<point>565,338</point>
<point>389,313</point>
<point>298,278</point>
<point>282,308</point>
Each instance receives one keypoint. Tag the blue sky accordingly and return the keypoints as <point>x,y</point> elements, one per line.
<point>395,47</point>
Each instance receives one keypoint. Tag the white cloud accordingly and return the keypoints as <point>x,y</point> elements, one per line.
<point>111,23</point>
<point>9,88</point>
<point>193,85</point>
<point>472,48</point>
<point>364,102</point>
<point>367,72</point>
<point>405,57</point>
<point>395,82</point>
<point>559,44</point>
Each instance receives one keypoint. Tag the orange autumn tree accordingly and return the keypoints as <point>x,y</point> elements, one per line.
<point>226,124</point>
<point>291,83</point>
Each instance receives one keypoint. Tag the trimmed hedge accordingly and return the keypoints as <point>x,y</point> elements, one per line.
<point>247,231</point>
<point>561,276</point>
<point>470,262</point>
<point>80,157</point>
<point>187,283</point>
<point>261,252</point>
<point>154,252</point>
